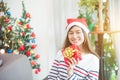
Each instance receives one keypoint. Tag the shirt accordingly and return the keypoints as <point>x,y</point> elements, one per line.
<point>86,69</point>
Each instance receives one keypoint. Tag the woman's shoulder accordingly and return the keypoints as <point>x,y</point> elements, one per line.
<point>92,56</point>
<point>59,54</point>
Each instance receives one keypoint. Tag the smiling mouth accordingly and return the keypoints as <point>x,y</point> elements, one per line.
<point>75,41</point>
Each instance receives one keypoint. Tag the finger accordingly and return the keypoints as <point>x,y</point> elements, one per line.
<point>69,62</point>
<point>74,61</point>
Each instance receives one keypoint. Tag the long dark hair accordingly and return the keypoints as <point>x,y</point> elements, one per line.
<point>86,44</point>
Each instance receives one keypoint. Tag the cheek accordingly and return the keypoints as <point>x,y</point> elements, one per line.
<point>82,37</point>
<point>69,38</point>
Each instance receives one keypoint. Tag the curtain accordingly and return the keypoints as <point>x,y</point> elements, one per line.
<point>115,25</point>
<point>63,9</point>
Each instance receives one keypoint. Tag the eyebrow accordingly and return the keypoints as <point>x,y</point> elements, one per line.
<point>75,30</point>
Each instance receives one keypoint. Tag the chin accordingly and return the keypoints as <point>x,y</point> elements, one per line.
<point>76,44</point>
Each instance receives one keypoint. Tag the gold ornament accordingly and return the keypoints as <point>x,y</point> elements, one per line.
<point>19,41</point>
<point>31,51</point>
<point>24,26</point>
<point>8,31</point>
<point>17,21</point>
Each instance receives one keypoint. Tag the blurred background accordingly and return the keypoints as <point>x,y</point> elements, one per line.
<point>48,20</point>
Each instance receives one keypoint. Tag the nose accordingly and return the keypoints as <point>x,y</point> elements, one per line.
<point>74,35</point>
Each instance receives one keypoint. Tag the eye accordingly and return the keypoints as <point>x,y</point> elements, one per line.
<point>70,33</point>
<point>78,32</point>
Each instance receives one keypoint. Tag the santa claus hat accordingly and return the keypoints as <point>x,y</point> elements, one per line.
<point>80,22</point>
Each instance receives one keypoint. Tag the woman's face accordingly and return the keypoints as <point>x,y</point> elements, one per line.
<point>76,36</point>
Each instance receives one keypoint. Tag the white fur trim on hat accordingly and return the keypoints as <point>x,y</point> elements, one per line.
<point>77,24</point>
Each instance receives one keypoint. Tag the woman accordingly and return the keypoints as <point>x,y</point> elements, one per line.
<point>87,68</point>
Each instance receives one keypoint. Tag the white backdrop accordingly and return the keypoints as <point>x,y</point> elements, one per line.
<point>49,22</point>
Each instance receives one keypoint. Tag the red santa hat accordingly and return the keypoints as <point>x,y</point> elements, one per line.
<point>80,22</point>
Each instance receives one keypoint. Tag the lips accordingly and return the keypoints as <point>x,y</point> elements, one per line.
<point>75,41</point>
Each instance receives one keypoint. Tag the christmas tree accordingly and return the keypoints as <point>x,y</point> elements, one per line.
<point>23,40</point>
<point>6,23</point>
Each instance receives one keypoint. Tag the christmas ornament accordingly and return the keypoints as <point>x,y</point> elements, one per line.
<point>28,26</point>
<point>37,56</point>
<point>24,27</point>
<point>28,53</point>
<point>31,51</point>
<point>10,28</point>
<point>32,62</point>
<point>22,33</point>
<point>9,51</point>
<point>28,40</point>
<point>6,20</point>
<point>33,35</point>
<point>39,69</point>
<point>20,23</point>
<point>22,48</point>
<point>36,71</point>
<point>33,46</point>
<point>33,40</point>
<point>22,19</point>
<point>8,13</point>
<point>19,41</point>
<point>28,15</point>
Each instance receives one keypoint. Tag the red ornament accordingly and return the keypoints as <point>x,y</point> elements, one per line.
<point>32,62</point>
<point>39,69</point>
<point>22,48</point>
<point>37,56</point>
<point>10,28</point>
<point>33,35</point>
<point>22,33</point>
<point>20,23</point>
<point>36,71</point>
<point>33,46</point>
<point>28,53</point>
<point>28,15</point>
<point>28,26</point>
<point>6,20</point>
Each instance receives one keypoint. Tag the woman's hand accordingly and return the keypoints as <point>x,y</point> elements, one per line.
<point>72,64</point>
